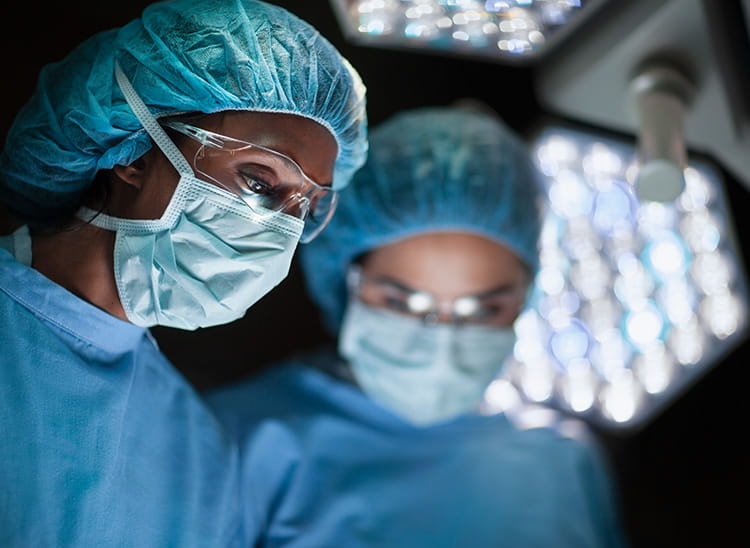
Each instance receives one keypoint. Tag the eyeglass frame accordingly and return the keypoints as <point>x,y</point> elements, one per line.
<point>218,141</point>
<point>355,279</point>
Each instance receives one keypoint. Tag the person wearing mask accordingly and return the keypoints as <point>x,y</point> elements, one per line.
<point>162,173</point>
<point>382,442</point>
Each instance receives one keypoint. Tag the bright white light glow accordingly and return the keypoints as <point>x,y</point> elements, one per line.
<point>537,380</point>
<point>601,315</point>
<point>569,195</point>
<point>677,299</point>
<point>591,277</point>
<point>631,300</point>
<point>712,272</point>
<point>500,396</point>
<point>633,285</point>
<point>644,325</point>
<point>555,154</point>
<point>667,256</point>
<point>578,387</point>
<point>701,231</point>
<point>687,343</point>
<point>613,208</point>
<point>534,416</point>
<point>551,280</point>
<point>611,354</point>
<point>723,313</point>
<point>519,28</point>
<point>621,397</point>
<point>654,367</point>
<point>569,342</point>
<point>600,159</point>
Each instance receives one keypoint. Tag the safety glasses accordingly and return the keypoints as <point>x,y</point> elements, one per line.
<point>268,181</point>
<point>499,307</point>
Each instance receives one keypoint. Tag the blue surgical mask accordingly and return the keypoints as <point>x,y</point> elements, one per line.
<point>206,260</point>
<point>426,373</point>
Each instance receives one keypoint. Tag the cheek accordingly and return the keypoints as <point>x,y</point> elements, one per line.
<point>156,193</point>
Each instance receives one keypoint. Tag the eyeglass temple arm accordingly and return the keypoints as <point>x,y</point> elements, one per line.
<point>201,135</point>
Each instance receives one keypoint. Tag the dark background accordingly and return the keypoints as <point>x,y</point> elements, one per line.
<point>683,477</point>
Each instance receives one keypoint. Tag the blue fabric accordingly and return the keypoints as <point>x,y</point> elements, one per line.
<point>102,443</point>
<point>181,56</point>
<point>323,465</point>
<point>428,169</point>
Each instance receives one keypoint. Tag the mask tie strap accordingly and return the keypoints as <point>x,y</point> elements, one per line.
<point>22,245</point>
<point>152,127</point>
<point>170,150</point>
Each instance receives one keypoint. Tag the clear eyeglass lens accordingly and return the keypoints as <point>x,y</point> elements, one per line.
<point>493,310</point>
<point>320,211</point>
<point>266,180</point>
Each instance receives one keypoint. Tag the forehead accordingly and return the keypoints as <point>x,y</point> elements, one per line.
<point>447,264</point>
<point>306,141</point>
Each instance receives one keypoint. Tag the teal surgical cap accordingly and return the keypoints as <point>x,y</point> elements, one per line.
<point>429,170</point>
<point>181,56</point>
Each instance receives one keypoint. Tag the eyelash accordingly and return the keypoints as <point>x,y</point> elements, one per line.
<point>395,303</point>
<point>252,182</point>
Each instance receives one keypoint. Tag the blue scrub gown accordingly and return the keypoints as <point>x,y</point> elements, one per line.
<point>325,466</point>
<point>102,442</point>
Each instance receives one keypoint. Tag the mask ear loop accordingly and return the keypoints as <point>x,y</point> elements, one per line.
<point>353,279</point>
<point>149,123</point>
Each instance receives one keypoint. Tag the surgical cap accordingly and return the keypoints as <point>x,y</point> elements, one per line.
<point>431,169</point>
<point>181,56</point>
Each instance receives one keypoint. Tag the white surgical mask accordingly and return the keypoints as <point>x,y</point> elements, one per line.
<point>207,259</point>
<point>424,373</point>
<point>205,262</point>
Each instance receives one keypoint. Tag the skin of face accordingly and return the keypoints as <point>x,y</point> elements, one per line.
<point>81,258</point>
<point>448,265</point>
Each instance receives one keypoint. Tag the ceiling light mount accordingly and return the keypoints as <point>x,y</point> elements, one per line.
<point>660,93</point>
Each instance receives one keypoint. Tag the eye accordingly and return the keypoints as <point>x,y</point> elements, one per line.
<point>488,312</point>
<point>498,313</point>
<point>252,183</point>
<point>396,304</point>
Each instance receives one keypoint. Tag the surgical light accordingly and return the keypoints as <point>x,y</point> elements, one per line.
<point>504,30</point>
<point>633,299</point>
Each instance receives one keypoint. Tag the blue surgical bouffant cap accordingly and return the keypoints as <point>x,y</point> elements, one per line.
<point>429,169</point>
<point>181,56</point>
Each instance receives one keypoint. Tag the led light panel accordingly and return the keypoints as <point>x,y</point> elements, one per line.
<point>503,30</point>
<point>632,300</point>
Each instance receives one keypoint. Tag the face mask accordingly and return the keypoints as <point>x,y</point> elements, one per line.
<point>425,373</point>
<point>206,260</point>
<point>211,261</point>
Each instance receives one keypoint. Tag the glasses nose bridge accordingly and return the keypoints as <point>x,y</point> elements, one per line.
<point>442,312</point>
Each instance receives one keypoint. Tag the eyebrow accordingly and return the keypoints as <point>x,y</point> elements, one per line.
<point>278,159</point>
<point>286,157</point>
<point>385,280</point>
<point>504,289</point>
